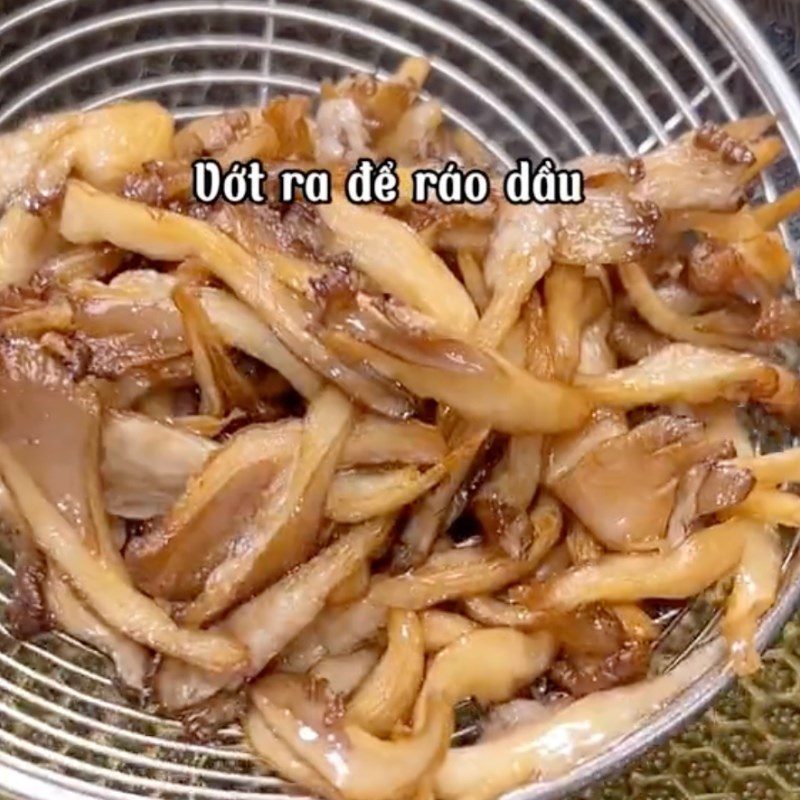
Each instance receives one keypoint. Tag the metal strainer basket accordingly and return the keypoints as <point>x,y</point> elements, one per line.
<point>529,78</point>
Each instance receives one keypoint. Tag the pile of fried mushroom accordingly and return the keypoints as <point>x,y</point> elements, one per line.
<point>350,475</point>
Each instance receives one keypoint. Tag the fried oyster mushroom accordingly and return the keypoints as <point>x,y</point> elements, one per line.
<point>655,458</point>
<point>359,476</point>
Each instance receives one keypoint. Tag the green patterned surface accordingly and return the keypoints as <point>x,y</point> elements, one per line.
<point>747,747</point>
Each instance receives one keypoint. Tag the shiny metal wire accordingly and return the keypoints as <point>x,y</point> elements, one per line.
<point>527,77</point>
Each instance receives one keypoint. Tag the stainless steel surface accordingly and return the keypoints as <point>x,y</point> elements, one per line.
<point>528,77</point>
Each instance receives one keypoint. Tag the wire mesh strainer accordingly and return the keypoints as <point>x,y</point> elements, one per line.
<point>527,77</point>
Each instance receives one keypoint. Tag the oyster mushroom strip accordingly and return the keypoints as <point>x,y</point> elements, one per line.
<point>67,263</point>
<point>567,449</point>
<point>665,320</point>
<point>377,243</point>
<point>39,319</point>
<point>272,619</point>
<point>755,270</point>
<point>684,372</point>
<point>355,496</point>
<point>131,660</point>
<point>547,749</point>
<point>347,122</point>
<point>285,530</point>
<point>173,558</point>
<point>416,131</point>
<point>755,588</point>
<point>724,422</point>
<point>494,613</point>
<point>340,133</point>
<point>449,576</point>
<point>632,340</point>
<point>388,693</point>
<point>472,571</point>
<point>235,322</point>
<point>597,653</point>
<point>475,381</point>
<point>778,320</point>
<point>222,387</point>
<point>433,512</point>
<point>708,168</point>
<point>383,102</point>
<point>26,242</point>
<point>653,456</point>
<point>523,535</point>
<point>128,323</point>
<point>572,302</point>
<point>345,673</point>
<point>289,117</point>
<point>772,469</point>
<point>142,384</point>
<point>92,216</point>
<point>26,614</point>
<point>771,506</point>
<point>471,273</point>
<point>240,327</point>
<point>354,587</point>
<point>100,146</point>
<point>785,402</point>
<point>337,630</point>
<point>442,628</point>
<point>280,758</point>
<point>583,547</point>
<point>608,227</point>
<point>481,386</point>
<point>501,500</point>
<point>492,665</point>
<point>107,594</point>
<point>377,440</point>
<point>253,227</point>
<point>636,623</point>
<point>52,426</point>
<point>704,558</point>
<point>359,765</point>
<point>147,464</point>
<point>768,216</point>
<point>260,141</point>
<point>519,255</point>
<point>709,487</point>
<point>358,495</point>
<point>546,521</point>
<point>209,134</point>
<point>500,503</point>
<point>162,406</point>
<point>749,129</point>
<point>749,223</point>
<point>519,711</point>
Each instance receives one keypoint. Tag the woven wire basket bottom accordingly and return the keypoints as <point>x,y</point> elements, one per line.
<point>529,78</point>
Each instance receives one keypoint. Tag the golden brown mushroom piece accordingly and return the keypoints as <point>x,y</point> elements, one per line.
<point>625,488</point>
